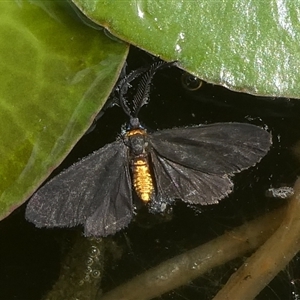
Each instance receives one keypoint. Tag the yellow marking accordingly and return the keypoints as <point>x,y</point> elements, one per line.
<point>142,180</point>
<point>136,131</point>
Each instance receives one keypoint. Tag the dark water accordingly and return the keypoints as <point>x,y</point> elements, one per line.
<point>30,258</point>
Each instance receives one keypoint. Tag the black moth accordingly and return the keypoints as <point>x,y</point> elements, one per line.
<point>193,164</point>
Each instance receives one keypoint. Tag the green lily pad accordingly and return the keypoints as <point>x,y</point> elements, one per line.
<point>248,46</point>
<point>56,73</point>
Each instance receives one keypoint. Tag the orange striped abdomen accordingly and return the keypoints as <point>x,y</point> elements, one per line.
<point>142,179</point>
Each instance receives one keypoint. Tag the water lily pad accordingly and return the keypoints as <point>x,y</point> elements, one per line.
<point>56,72</point>
<point>249,46</point>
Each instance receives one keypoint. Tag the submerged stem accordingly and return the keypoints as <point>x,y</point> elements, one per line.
<point>269,259</point>
<point>183,268</point>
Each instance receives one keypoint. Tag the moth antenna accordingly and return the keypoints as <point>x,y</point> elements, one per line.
<point>123,86</point>
<point>142,95</point>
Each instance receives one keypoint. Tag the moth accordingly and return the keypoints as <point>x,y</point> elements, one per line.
<point>194,164</point>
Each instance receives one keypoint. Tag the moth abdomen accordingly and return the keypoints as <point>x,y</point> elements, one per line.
<point>142,179</point>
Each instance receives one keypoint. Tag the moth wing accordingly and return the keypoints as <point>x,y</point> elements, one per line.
<point>75,194</point>
<point>176,181</point>
<point>115,212</point>
<point>220,148</point>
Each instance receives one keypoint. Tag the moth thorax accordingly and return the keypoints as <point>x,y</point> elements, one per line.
<point>142,180</point>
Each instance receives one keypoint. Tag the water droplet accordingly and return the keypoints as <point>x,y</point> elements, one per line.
<point>94,251</point>
<point>96,274</point>
<point>89,261</point>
